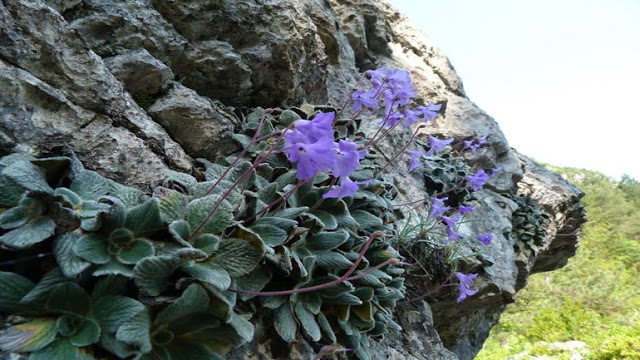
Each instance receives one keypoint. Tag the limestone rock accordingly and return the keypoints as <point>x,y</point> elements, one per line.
<point>200,126</point>
<point>140,72</point>
<point>56,89</point>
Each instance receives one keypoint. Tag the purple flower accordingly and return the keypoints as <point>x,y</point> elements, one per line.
<point>452,222</point>
<point>310,145</point>
<point>429,112</point>
<point>437,144</point>
<point>474,144</point>
<point>311,158</point>
<point>452,234</point>
<point>413,162</point>
<point>347,158</point>
<point>495,170</point>
<point>378,76</point>
<point>437,207</point>
<point>465,209</point>
<point>392,119</point>
<point>347,187</point>
<point>485,238</point>
<point>410,117</point>
<point>464,283</point>
<point>364,99</point>
<point>478,179</point>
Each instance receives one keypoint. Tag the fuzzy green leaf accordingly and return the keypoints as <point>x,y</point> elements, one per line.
<point>144,218</point>
<point>113,268</point>
<point>152,274</point>
<point>61,349</point>
<point>326,240</point>
<point>70,263</point>
<point>129,196</point>
<point>242,326</point>
<point>30,336</point>
<point>28,175</point>
<point>87,335</point>
<point>270,234</point>
<point>172,205</point>
<point>329,221</point>
<point>10,192</point>
<point>29,234</point>
<point>326,327</point>
<point>308,322</point>
<point>285,323</point>
<point>42,289</point>
<point>109,285</point>
<point>93,248</point>
<point>344,299</point>
<point>198,210</point>
<point>14,217</point>
<point>207,243</point>
<point>111,311</point>
<point>194,299</point>
<point>365,219</point>
<point>282,223</point>
<point>136,251</point>
<point>136,331</point>
<point>89,185</point>
<point>13,288</point>
<point>254,281</point>
<point>332,260</point>
<point>291,213</point>
<point>341,212</point>
<point>69,298</point>
<point>210,273</point>
<point>238,256</point>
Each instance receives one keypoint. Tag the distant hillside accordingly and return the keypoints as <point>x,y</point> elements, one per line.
<point>589,309</point>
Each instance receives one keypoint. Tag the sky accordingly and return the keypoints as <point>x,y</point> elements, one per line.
<point>561,77</point>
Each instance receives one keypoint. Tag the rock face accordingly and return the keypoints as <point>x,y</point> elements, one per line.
<point>74,72</point>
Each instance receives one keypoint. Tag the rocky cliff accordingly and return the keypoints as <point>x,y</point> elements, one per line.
<point>139,87</point>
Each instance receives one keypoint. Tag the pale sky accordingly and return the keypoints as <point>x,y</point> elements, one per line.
<point>561,77</point>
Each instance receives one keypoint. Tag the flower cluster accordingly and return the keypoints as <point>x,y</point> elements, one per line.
<point>464,283</point>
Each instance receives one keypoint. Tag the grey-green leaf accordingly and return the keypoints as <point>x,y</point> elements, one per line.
<point>270,234</point>
<point>326,240</point>
<point>13,288</point>
<point>29,234</point>
<point>285,323</point>
<point>136,331</point>
<point>71,264</point>
<point>198,210</point>
<point>112,311</point>
<point>93,248</point>
<point>194,299</point>
<point>238,256</point>
<point>30,336</point>
<point>136,251</point>
<point>152,274</point>
<point>144,218</point>
<point>308,322</point>
<point>69,298</point>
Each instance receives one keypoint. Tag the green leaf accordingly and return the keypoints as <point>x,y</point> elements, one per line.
<point>330,222</point>
<point>180,230</point>
<point>28,175</point>
<point>242,326</point>
<point>172,205</point>
<point>198,210</point>
<point>191,351</point>
<point>270,234</point>
<point>207,243</point>
<point>109,285</point>
<point>119,348</point>
<point>194,299</point>
<point>113,268</point>
<point>136,331</point>
<point>87,335</point>
<point>254,281</point>
<point>152,274</point>
<point>291,213</point>
<point>332,260</point>
<point>325,326</point>
<point>70,263</point>
<point>69,298</point>
<point>89,185</point>
<point>285,323</point>
<point>14,217</point>
<point>129,196</point>
<point>341,212</point>
<point>69,324</point>
<point>308,322</point>
<point>13,288</point>
<point>210,273</point>
<point>93,248</point>
<point>29,234</point>
<point>112,311</point>
<point>30,336</point>
<point>344,299</point>
<point>144,218</point>
<point>365,219</point>
<point>136,251</point>
<point>61,349</point>
<point>42,289</point>
<point>326,240</point>
<point>282,223</point>
<point>238,256</point>
<point>268,193</point>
